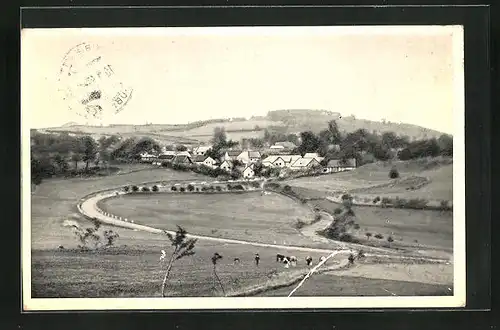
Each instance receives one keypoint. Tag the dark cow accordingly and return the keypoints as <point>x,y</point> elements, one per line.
<point>257,259</point>
<point>309,260</point>
<point>280,257</point>
<point>236,260</point>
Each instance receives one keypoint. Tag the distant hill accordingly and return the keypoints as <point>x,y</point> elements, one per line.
<point>286,121</point>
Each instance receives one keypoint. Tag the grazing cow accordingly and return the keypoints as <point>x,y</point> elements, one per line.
<point>309,260</point>
<point>216,257</point>
<point>163,255</point>
<point>293,261</point>
<point>322,258</point>
<point>236,260</point>
<point>257,258</point>
<point>286,261</point>
<point>279,257</point>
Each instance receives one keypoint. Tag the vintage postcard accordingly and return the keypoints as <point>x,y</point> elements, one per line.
<point>243,167</point>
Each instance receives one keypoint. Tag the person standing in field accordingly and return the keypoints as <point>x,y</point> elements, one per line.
<point>257,258</point>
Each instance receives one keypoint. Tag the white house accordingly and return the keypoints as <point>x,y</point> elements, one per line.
<point>304,163</point>
<point>248,172</point>
<point>205,160</point>
<point>231,155</point>
<point>226,165</point>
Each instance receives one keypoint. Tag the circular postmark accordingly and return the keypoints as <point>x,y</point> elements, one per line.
<point>90,85</point>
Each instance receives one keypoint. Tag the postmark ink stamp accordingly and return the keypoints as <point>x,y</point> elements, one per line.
<point>90,85</point>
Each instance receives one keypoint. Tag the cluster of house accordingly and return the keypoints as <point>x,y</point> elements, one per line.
<point>245,160</point>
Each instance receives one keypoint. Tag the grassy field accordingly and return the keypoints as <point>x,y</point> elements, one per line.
<point>329,284</point>
<point>428,228</point>
<point>246,216</point>
<point>136,271</point>
<point>55,201</point>
<point>438,172</point>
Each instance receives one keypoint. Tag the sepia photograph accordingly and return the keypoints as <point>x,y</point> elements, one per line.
<point>243,167</point>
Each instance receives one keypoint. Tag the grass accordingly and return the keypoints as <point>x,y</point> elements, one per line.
<point>55,201</point>
<point>328,284</point>
<point>135,271</point>
<point>246,216</point>
<point>372,180</point>
<point>430,228</point>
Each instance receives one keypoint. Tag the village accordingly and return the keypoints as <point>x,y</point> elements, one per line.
<point>279,156</point>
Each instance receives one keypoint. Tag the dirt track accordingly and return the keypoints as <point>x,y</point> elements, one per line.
<point>89,208</point>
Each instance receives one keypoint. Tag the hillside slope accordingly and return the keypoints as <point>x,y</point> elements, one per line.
<point>285,121</point>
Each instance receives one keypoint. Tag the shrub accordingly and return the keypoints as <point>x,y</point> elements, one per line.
<point>190,187</point>
<point>299,224</point>
<point>368,235</point>
<point>350,212</point>
<point>361,254</point>
<point>218,188</point>
<point>197,189</point>
<point>416,203</point>
<point>356,226</point>
<point>211,188</point>
<point>317,217</point>
<point>346,238</point>
<point>126,189</point>
<point>287,188</point>
<point>135,188</point>
<point>351,258</point>
<point>238,187</point>
<point>346,197</point>
<point>182,189</point>
<point>399,203</point>
<point>379,236</point>
<point>145,188</point>
<point>444,205</point>
<point>390,239</point>
<point>174,188</point>
<point>205,188</point>
<point>393,173</point>
<point>155,188</point>
<point>338,210</point>
<point>385,201</point>
<point>376,200</point>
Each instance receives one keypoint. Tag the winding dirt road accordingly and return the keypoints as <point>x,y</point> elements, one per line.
<point>89,208</point>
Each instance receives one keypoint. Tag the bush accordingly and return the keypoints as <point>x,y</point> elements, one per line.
<point>385,201</point>
<point>368,235</point>
<point>393,173</point>
<point>155,188</point>
<point>145,188</point>
<point>390,239</point>
<point>204,188</point>
<point>338,210</point>
<point>361,254</point>
<point>376,200</point>
<point>135,188</point>
<point>197,189</point>
<point>444,205</point>
<point>416,203</point>
<point>287,188</point>
<point>346,197</point>
<point>126,189</point>
<point>317,217</point>
<point>182,189</point>
<point>379,236</point>
<point>351,258</point>
<point>350,212</point>
<point>190,187</point>
<point>356,226</point>
<point>346,238</point>
<point>174,188</point>
<point>299,224</point>
<point>218,188</point>
<point>238,187</point>
<point>400,203</point>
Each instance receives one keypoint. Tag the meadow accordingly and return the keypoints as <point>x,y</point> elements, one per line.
<point>248,216</point>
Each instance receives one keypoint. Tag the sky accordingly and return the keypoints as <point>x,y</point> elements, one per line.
<point>180,75</point>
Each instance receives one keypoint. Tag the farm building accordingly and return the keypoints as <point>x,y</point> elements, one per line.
<point>182,160</point>
<point>280,160</point>
<point>164,158</point>
<point>231,155</point>
<point>305,163</point>
<point>148,158</point>
<point>249,156</point>
<point>287,145</point>
<point>205,160</point>
<point>339,165</point>
<point>183,153</point>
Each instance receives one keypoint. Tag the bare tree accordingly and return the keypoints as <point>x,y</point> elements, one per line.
<point>183,247</point>
<point>216,257</point>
